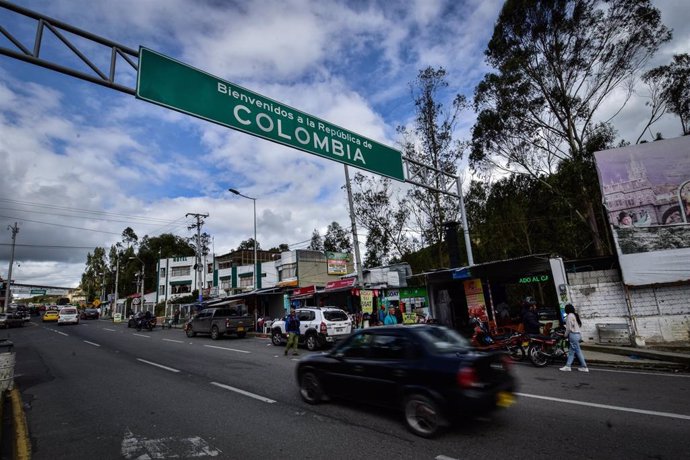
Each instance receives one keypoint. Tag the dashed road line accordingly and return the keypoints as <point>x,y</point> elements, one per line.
<point>142,335</point>
<point>245,393</point>
<point>62,333</point>
<point>229,349</point>
<point>171,369</point>
<point>111,330</point>
<point>91,343</point>
<point>172,340</point>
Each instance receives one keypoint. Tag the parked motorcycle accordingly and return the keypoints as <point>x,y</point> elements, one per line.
<point>545,349</point>
<point>145,323</point>
<point>513,343</point>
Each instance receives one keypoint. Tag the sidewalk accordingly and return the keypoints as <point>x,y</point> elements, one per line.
<point>640,358</point>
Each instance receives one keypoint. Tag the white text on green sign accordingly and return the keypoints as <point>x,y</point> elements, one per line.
<point>175,85</point>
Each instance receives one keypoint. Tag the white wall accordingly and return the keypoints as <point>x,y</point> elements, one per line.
<point>662,314</point>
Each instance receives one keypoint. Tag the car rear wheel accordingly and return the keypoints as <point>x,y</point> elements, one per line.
<point>215,334</point>
<point>423,416</point>
<point>312,342</point>
<point>310,388</point>
<point>276,338</point>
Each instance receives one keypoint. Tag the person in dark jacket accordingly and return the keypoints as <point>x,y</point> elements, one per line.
<point>530,320</point>
<point>292,330</point>
<point>398,315</point>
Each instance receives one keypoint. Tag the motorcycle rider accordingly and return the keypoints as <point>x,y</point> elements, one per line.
<point>530,319</point>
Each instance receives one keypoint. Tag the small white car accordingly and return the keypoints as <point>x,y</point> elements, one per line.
<point>68,315</point>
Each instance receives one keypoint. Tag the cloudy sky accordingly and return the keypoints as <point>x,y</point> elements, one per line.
<point>80,162</point>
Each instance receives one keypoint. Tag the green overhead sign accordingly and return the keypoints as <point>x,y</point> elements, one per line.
<point>173,84</point>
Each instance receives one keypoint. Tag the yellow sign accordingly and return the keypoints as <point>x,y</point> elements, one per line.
<point>96,303</point>
<point>367,301</point>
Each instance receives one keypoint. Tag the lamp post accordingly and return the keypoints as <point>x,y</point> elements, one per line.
<point>143,268</point>
<point>256,280</point>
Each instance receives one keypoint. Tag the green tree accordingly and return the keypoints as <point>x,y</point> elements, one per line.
<point>248,245</point>
<point>430,141</point>
<point>556,63</point>
<point>316,243</point>
<point>282,247</point>
<point>671,86</point>
<point>336,239</point>
<point>380,210</point>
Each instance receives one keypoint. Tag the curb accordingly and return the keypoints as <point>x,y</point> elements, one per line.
<point>22,444</point>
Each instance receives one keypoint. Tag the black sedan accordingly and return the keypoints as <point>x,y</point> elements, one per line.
<point>89,313</point>
<point>429,372</point>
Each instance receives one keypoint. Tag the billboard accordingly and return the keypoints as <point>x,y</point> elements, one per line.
<point>336,263</point>
<point>646,192</point>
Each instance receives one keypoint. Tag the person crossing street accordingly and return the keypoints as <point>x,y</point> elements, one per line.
<point>292,330</point>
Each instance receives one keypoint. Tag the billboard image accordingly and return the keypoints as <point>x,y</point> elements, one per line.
<point>646,192</point>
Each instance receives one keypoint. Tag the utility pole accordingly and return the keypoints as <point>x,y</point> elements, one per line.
<point>199,223</point>
<point>117,280</point>
<point>14,230</point>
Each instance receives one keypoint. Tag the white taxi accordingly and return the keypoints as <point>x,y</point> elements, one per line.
<point>68,315</point>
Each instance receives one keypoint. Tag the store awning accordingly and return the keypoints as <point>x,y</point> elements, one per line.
<point>272,290</point>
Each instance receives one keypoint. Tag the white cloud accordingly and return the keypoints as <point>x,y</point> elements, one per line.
<point>72,146</point>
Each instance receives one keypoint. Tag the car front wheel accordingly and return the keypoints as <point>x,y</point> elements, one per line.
<point>276,338</point>
<point>423,416</point>
<point>190,332</point>
<point>215,334</point>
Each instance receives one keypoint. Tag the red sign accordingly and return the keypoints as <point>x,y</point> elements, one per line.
<point>346,283</point>
<point>308,290</point>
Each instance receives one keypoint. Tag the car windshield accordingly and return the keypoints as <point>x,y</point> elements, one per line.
<point>335,315</point>
<point>68,311</point>
<point>442,340</point>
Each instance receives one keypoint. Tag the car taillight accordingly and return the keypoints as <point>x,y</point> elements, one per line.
<point>227,323</point>
<point>467,377</point>
<point>323,328</point>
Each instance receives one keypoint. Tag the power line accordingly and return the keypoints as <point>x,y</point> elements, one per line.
<point>61,225</point>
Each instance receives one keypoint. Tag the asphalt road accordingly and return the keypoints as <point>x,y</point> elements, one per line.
<point>102,391</point>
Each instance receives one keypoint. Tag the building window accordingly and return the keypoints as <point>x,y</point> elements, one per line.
<point>161,289</point>
<point>181,289</point>
<point>162,272</point>
<point>287,271</point>
<point>226,284</point>
<point>180,271</point>
<point>246,281</point>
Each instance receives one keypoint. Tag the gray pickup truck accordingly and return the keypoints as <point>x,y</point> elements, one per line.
<point>220,321</point>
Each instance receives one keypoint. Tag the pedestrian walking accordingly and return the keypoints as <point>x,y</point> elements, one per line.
<point>572,332</point>
<point>176,317</point>
<point>292,330</point>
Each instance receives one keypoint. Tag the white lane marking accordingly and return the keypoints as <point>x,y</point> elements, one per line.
<point>658,374</point>
<point>171,369</point>
<point>66,335</point>
<point>111,330</point>
<point>606,406</point>
<point>176,341</point>
<point>141,335</point>
<point>444,457</point>
<point>242,392</point>
<point>91,343</point>
<point>141,448</point>
<point>229,349</point>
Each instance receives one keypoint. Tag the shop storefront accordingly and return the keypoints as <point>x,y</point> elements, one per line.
<point>497,290</point>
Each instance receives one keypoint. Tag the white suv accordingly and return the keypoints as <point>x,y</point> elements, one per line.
<point>317,326</point>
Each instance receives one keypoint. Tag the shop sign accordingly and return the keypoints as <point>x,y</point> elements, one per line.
<point>474,293</point>
<point>339,284</point>
<point>307,290</point>
<point>366,299</point>
<point>534,279</point>
<point>336,263</point>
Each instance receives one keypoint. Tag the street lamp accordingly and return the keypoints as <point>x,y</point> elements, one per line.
<point>256,280</point>
<point>143,268</point>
